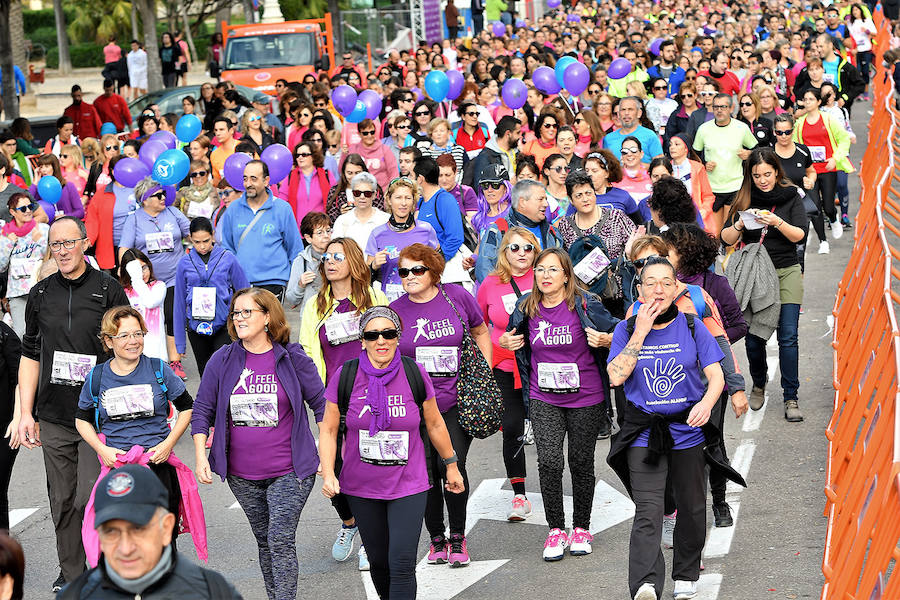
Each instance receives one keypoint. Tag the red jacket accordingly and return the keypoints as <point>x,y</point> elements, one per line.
<point>99,224</point>
<point>113,109</point>
<point>87,121</point>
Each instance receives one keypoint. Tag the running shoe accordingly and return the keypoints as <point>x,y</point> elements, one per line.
<point>178,369</point>
<point>521,508</point>
<point>438,551</point>
<point>556,544</point>
<point>59,584</point>
<point>685,590</point>
<point>722,514</point>
<point>458,555</point>
<point>845,221</point>
<point>580,542</point>
<point>668,530</point>
<point>837,230</point>
<point>647,591</point>
<point>343,545</point>
<point>824,248</point>
<point>363,559</point>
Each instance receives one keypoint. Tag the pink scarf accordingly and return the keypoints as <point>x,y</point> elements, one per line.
<point>190,515</point>
<point>20,231</point>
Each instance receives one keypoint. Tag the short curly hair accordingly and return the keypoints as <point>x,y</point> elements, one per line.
<point>428,256</point>
<point>672,201</point>
<point>696,249</point>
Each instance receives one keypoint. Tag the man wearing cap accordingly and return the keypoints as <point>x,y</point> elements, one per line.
<point>112,107</point>
<point>263,102</point>
<point>135,527</point>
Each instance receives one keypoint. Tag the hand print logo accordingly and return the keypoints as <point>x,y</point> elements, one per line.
<point>421,322</point>
<point>663,379</point>
<point>543,327</point>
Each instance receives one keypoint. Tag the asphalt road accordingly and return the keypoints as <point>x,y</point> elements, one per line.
<point>774,551</point>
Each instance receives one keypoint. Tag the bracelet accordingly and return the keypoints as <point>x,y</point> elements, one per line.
<point>449,461</point>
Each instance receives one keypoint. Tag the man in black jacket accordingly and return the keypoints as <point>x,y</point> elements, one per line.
<point>849,80</point>
<point>500,150</point>
<point>60,345</point>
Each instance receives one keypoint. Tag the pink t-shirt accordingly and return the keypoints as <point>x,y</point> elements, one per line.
<point>111,53</point>
<point>497,301</point>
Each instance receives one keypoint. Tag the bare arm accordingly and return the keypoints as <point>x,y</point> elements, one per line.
<point>29,374</point>
<point>622,366</point>
<point>328,430</point>
<point>483,340</point>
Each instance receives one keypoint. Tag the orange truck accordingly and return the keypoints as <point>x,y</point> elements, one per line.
<point>259,54</point>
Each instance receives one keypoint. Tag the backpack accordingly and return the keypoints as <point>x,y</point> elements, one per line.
<point>605,285</point>
<point>41,287</point>
<point>416,384</point>
<point>629,327</point>
<point>95,386</point>
<point>470,238</point>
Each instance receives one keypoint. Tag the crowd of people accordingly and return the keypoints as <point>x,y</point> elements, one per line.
<point>591,257</point>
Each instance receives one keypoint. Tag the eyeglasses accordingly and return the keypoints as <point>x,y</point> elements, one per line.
<point>67,244</point>
<point>333,257</point>
<point>666,283</point>
<point>328,231</point>
<point>225,193</point>
<point>245,313</point>
<point>721,107</point>
<point>549,125</point>
<point>745,104</point>
<point>367,133</point>
<point>199,174</point>
<point>27,208</point>
<point>552,271</point>
<point>418,271</point>
<point>524,247</point>
<point>421,113</point>
<point>124,337</point>
<point>630,151</point>
<point>388,334</point>
<point>304,154</point>
<point>784,132</point>
<point>491,185</point>
<point>363,193</point>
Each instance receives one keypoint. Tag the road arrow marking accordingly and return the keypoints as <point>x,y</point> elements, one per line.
<point>440,582</point>
<point>17,515</point>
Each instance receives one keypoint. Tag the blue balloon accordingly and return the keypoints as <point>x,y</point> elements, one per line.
<point>49,189</point>
<point>188,128</point>
<point>437,86</point>
<point>171,167</point>
<point>108,128</point>
<point>560,69</point>
<point>358,113</point>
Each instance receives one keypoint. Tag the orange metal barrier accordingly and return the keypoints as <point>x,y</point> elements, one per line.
<point>863,487</point>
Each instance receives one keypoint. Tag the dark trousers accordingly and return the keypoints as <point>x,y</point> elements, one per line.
<point>275,288</point>
<point>390,532</point>
<point>72,469</point>
<point>477,23</point>
<point>843,192</point>
<point>170,80</point>
<point>437,495</point>
<point>513,424</point>
<point>723,199</point>
<point>169,310</point>
<point>453,31</point>
<point>788,353</point>
<point>865,62</point>
<point>648,482</point>
<point>169,478</point>
<point>7,460</point>
<point>824,192</point>
<point>204,346</point>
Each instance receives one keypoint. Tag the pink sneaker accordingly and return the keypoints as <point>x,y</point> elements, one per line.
<point>458,555</point>
<point>556,544</point>
<point>178,369</point>
<point>437,552</point>
<point>580,542</point>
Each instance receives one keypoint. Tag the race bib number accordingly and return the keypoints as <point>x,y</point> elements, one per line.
<point>161,241</point>
<point>829,78</point>
<point>589,268</point>
<point>70,368</point>
<point>128,402</point>
<point>254,410</point>
<point>393,291</point>
<point>817,153</point>
<point>203,303</point>
<point>23,268</point>
<point>385,448</point>
<point>200,209</point>
<point>509,302</point>
<point>558,378</point>
<point>341,328</point>
<point>440,361</point>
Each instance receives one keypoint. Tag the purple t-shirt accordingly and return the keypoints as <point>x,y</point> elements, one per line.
<point>259,417</point>
<point>433,334</point>
<point>391,479</point>
<point>385,238</point>
<point>666,378</point>
<point>159,238</point>
<point>347,347</point>
<point>563,370</point>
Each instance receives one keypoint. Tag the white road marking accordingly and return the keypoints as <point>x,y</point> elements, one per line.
<point>440,582</point>
<point>740,460</point>
<point>718,543</point>
<point>708,586</point>
<point>17,515</point>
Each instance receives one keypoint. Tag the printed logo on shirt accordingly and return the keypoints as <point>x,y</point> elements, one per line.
<point>268,228</point>
<point>663,378</point>
<point>552,336</point>
<point>242,381</point>
<point>432,330</point>
<point>396,406</point>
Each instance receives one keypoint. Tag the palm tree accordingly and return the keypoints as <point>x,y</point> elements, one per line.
<point>147,10</point>
<point>99,20</point>
<point>17,34</point>
<point>8,91</point>
<point>62,39</point>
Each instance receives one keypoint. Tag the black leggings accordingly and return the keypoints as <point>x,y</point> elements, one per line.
<point>390,532</point>
<point>513,424</point>
<point>437,495</point>
<point>169,478</point>
<point>825,190</point>
<point>169,311</point>
<point>204,346</point>
<point>7,460</point>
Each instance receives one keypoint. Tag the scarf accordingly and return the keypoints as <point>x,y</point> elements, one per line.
<point>777,196</point>
<point>20,231</point>
<point>376,399</point>
<point>396,226</point>
<point>194,193</point>
<point>136,586</point>
<point>667,315</point>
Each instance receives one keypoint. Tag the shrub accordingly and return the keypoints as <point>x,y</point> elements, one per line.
<point>45,36</point>
<point>37,19</point>
<point>83,55</point>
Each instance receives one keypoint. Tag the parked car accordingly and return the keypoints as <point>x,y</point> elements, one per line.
<point>169,100</point>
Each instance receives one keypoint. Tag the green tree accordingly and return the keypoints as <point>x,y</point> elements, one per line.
<point>98,20</point>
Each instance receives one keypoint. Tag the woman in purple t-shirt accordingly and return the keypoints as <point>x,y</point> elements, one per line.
<point>555,331</point>
<point>385,476</point>
<point>435,314</point>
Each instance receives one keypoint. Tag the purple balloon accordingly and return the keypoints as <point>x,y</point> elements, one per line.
<point>344,99</point>
<point>129,172</point>
<point>514,93</point>
<point>373,103</point>
<point>457,81</point>
<point>279,160</point>
<point>166,137</point>
<point>49,209</point>
<point>170,194</point>
<point>544,79</point>
<point>418,93</point>
<point>150,151</point>
<point>554,3</point>
<point>234,169</point>
<point>573,18</point>
<point>655,46</point>
<point>498,28</point>
<point>618,68</point>
<point>577,78</point>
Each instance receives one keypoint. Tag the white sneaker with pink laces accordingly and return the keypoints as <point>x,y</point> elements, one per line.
<point>556,544</point>
<point>521,508</point>
<point>580,542</point>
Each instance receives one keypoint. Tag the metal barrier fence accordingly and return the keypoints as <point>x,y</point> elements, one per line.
<point>382,28</point>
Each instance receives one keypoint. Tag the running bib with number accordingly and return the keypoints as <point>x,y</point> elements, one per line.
<point>591,266</point>
<point>817,153</point>
<point>393,291</point>
<point>254,410</point>
<point>161,241</point>
<point>200,209</point>
<point>341,328</point>
<point>70,368</point>
<point>128,402</point>
<point>203,303</point>
<point>558,378</point>
<point>385,448</point>
<point>23,268</point>
<point>509,302</point>
<point>440,361</point>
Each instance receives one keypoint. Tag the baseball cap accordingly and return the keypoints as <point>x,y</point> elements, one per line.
<point>131,493</point>
<point>261,98</point>
<point>494,173</point>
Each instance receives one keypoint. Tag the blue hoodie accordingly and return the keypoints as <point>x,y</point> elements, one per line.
<point>221,272</point>
<point>270,247</point>
<point>676,78</point>
<point>441,211</point>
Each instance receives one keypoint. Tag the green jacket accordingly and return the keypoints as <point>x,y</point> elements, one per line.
<point>493,8</point>
<point>837,135</point>
<point>617,86</point>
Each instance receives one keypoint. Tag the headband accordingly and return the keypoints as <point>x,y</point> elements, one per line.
<point>156,188</point>
<point>380,311</point>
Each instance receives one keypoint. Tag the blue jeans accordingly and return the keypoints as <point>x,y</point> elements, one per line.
<point>788,353</point>
<point>843,192</point>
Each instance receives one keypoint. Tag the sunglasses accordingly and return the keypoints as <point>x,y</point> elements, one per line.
<point>27,208</point>
<point>593,92</point>
<point>707,94</point>
<point>257,118</point>
<point>407,126</point>
<point>225,193</point>
<point>746,104</point>
<point>560,169</point>
<point>363,193</point>
<point>525,247</point>
<point>304,154</point>
<point>550,126</point>
<point>64,156</point>
<point>108,148</point>
<point>332,146</point>
<point>629,151</point>
<point>158,196</point>
<point>579,120</point>
<point>421,113</point>
<point>388,334</point>
<point>199,174</point>
<point>783,132</point>
<point>367,133</point>
<point>661,87</point>
<point>321,104</point>
<point>687,95</point>
<point>491,185</point>
<point>418,271</point>
<point>639,263</point>
<point>471,113</point>
<point>333,256</point>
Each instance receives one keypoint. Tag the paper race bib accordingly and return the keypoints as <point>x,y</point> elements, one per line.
<point>589,268</point>
<point>558,378</point>
<point>385,448</point>
<point>254,410</point>
<point>203,303</point>
<point>341,328</point>
<point>817,153</point>
<point>21,267</point>
<point>70,368</point>
<point>128,402</point>
<point>161,241</point>
<point>509,302</point>
<point>829,78</point>
<point>440,361</point>
<point>393,291</point>
<point>200,209</point>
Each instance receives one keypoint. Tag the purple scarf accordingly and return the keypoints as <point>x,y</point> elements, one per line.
<point>376,398</point>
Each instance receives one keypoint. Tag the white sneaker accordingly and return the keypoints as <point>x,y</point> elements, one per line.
<point>668,531</point>
<point>647,591</point>
<point>823,248</point>
<point>837,230</point>
<point>685,590</point>
<point>521,508</point>
<point>363,559</point>
<point>556,544</point>
<point>580,542</point>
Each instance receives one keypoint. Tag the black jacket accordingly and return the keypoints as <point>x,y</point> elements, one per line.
<point>10,351</point>
<point>64,315</point>
<point>850,83</point>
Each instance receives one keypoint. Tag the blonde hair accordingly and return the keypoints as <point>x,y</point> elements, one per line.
<point>75,152</point>
<point>503,271</point>
<point>401,182</point>
<point>93,145</point>
<point>245,121</point>
<point>437,122</point>
<point>754,99</point>
<point>112,320</point>
<point>651,242</point>
<point>359,279</point>
<point>278,329</point>
<point>636,89</point>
